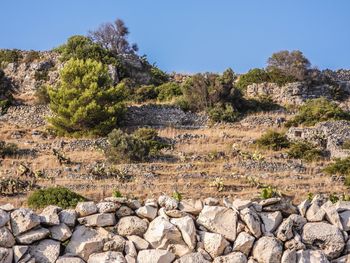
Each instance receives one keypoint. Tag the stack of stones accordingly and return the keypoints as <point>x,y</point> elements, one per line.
<point>190,231</point>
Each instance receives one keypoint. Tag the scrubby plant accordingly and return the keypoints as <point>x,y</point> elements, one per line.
<point>145,93</point>
<point>317,110</point>
<point>177,196</point>
<point>59,196</point>
<point>168,91</point>
<point>151,138</point>
<point>255,75</point>
<point>269,192</point>
<point>218,183</point>
<point>8,149</point>
<point>6,91</point>
<point>223,112</point>
<point>85,102</point>
<point>41,75</point>
<point>158,77</point>
<point>261,103</point>
<point>117,193</point>
<point>273,140</point>
<point>10,56</point>
<point>42,95</point>
<point>346,144</point>
<point>305,150</point>
<point>31,56</point>
<point>338,167</point>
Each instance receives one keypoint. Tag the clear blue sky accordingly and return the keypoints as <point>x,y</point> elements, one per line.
<point>192,35</point>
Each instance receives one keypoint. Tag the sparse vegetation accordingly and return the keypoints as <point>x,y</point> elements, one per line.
<point>117,193</point>
<point>31,56</point>
<point>317,110</point>
<point>273,140</point>
<point>168,91</point>
<point>8,149</point>
<point>339,167</point>
<point>59,196</point>
<point>177,196</point>
<point>42,95</point>
<point>10,56</point>
<point>305,151</point>
<point>269,192</point>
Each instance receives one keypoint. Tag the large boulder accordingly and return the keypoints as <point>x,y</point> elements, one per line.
<point>108,207</point>
<point>23,220</point>
<point>243,243</point>
<point>46,251</point>
<point>148,212</point>
<point>104,219</point>
<point>161,234</point>
<point>60,232</point>
<point>86,208</point>
<point>292,223</point>
<point>117,243</point>
<point>139,242</point>
<point>68,217</point>
<point>33,236</point>
<point>107,257</point>
<point>167,202</point>
<point>4,218</point>
<point>324,236</point>
<point>236,257</point>
<point>271,221</point>
<point>252,220</point>
<point>131,225</point>
<point>267,250</point>
<point>6,237</point>
<point>49,216</point>
<point>187,228</point>
<point>85,241</point>
<point>191,206</point>
<point>220,220</point>
<point>214,243</point>
<point>155,256</point>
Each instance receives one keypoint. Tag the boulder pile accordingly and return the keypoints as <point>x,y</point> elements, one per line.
<point>188,231</point>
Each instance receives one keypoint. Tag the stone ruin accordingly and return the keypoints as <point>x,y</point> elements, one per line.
<point>121,230</point>
<point>329,135</point>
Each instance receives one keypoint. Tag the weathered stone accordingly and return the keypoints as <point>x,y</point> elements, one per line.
<point>345,220</point>
<point>191,206</point>
<point>131,225</point>
<point>252,220</point>
<point>192,258</point>
<point>4,218</point>
<point>239,204</point>
<point>139,242</point>
<point>49,216</point>
<point>33,236</point>
<point>23,220</point>
<point>116,244</point>
<point>18,252</point>
<point>155,256</point>
<point>289,256</point>
<point>210,201</point>
<point>167,202</point>
<point>86,208</point>
<point>315,213</point>
<point>214,244</point>
<point>61,232</point>
<point>303,206</point>
<point>7,207</point>
<point>220,220</point>
<point>85,241</point>
<point>107,257</point>
<point>134,204</point>
<point>130,249</point>
<point>6,255</point>
<point>124,211</point>
<point>108,207</point>
<point>161,234</point>
<point>175,213</point>
<point>68,217</point>
<point>271,221</point>
<point>148,212</point>
<point>104,219</point>
<point>187,228</point>
<point>6,237</point>
<point>293,222</point>
<point>284,206</point>
<point>332,215</point>
<point>267,250</point>
<point>312,256</point>
<point>68,259</point>
<point>236,257</point>
<point>46,251</point>
<point>324,236</point>
<point>270,201</point>
<point>243,243</point>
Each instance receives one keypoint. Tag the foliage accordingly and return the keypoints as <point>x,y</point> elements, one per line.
<point>338,167</point>
<point>317,110</point>
<point>145,93</point>
<point>269,192</point>
<point>158,77</point>
<point>140,146</point>
<point>85,102</point>
<point>293,63</point>
<point>117,193</point>
<point>346,144</point>
<point>7,149</point>
<point>42,95</point>
<point>304,150</point>
<point>255,75</point>
<point>59,196</point>
<point>273,140</point>
<point>261,103</point>
<point>10,56</point>
<point>177,196</point>
<point>218,183</point>
<point>41,75</point>
<point>168,91</point>
<point>6,90</point>
<point>223,112</point>
<point>113,36</point>
<point>31,56</point>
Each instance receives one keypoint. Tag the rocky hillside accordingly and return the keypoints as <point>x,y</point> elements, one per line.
<point>121,230</point>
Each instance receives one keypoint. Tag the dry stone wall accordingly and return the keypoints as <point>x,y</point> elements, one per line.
<point>121,230</point>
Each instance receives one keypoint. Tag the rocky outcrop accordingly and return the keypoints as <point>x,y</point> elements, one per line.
<point>266,231</point>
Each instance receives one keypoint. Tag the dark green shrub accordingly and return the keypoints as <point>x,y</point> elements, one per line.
<point>317,110</point>
<point>338,167</point>
<point>59,196</point>
<point>261,103</point>
<point>117,193</point>
<point>273,141</point>
<point>85,102</point>
<point>10,56</point>
<point>8,149</point>
<point>346,144</point>
<point>168,91</point>
<point>41,75</point>
<point>42,95</point>
<point>269,192</point>
<point>31,56</point>
<point>145,93</point>
<point>277,76</point>
<point>252,76</point>
<point>150,137</point>
<point>158,77</point>
<point>305,151</point>
<point>224,113</point>
<point>177,196</point>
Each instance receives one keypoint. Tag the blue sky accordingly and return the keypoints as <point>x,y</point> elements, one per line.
<point>192,35</point>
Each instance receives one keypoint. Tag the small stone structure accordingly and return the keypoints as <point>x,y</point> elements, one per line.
<point>120,230</point>
<point>330,135</point>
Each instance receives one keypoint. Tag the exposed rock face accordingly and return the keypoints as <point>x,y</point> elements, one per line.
<point>268,231</point>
